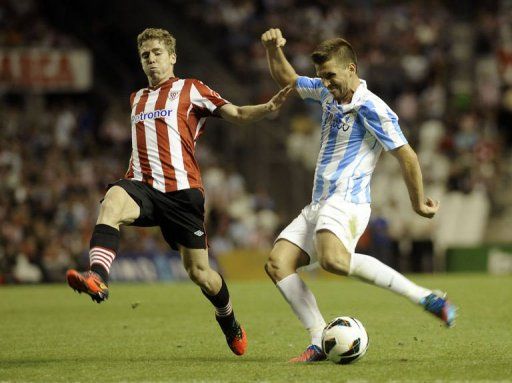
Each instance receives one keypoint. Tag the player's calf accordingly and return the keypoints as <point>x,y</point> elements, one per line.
<point>201,275</point>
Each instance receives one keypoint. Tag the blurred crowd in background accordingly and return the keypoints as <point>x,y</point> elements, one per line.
<point>447,73</point>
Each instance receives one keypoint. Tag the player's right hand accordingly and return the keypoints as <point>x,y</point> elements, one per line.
<point>273,38</point>
<point>428,209</point>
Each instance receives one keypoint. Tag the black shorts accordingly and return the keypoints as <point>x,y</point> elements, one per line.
<point>180,214</point>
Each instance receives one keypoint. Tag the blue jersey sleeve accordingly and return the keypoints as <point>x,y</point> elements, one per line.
<point>310,88</point>
<point>382,123</point>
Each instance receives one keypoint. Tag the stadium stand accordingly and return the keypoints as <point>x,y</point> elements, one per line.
<point>447,72</point>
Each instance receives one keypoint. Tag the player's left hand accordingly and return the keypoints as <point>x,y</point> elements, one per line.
<point>278,100</point>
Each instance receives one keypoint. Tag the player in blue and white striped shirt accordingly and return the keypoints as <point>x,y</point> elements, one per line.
<point>356,126</point>
<point>353,136</point>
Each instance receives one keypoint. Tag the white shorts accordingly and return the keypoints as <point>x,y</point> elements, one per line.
<point>345,219</point>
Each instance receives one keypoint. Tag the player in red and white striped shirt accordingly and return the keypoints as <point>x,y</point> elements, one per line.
<point>162,186</point>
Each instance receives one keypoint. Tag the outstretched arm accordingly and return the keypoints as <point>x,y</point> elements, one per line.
<point>249,113</point>
<point>280,69</point>
<point>411,172</point>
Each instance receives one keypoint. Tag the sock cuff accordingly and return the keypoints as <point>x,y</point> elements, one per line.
<point>355,260</point>
<point>287,280</point>
<point>106,229</point>
<point>105,236</point>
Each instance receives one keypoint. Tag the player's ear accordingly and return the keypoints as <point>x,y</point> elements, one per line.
<point>352,68</point>
<point>173,58</point>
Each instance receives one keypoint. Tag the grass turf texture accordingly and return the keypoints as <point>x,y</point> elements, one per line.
<point>166,332</point>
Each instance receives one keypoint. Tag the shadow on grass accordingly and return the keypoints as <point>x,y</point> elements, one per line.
<point>179,360</point>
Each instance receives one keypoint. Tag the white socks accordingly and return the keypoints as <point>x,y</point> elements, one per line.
<point>366,268</point>
<point>304,305</point>
<point>371,270</point>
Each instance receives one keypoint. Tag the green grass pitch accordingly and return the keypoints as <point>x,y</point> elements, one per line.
<point>166,333</point>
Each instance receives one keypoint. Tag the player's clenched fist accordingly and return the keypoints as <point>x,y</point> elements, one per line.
<point>273,38</point>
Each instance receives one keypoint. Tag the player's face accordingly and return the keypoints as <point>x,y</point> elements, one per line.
<point>337,78</point>
<point>157,62</point>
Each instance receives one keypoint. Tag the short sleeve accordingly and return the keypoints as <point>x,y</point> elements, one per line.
<point>310,88</point>
<point>205,98</point>
<point>132,99</point>
<point>382,122</point>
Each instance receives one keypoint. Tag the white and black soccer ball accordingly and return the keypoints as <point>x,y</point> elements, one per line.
<point>344,340</point>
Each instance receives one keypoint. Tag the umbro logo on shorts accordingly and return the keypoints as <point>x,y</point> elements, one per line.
<point>199,233</point>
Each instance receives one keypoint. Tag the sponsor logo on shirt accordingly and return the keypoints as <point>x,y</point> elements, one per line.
<point>337,119</point>
<point>346,122</point>
<point>159,113</point>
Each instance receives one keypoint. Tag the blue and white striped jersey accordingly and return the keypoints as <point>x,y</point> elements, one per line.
<point>352,139</point>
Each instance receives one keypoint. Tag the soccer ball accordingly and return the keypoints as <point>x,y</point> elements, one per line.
<point>344,340</point>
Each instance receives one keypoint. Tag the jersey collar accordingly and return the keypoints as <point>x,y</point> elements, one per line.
<point>170,80</point>
<point>357,98</point>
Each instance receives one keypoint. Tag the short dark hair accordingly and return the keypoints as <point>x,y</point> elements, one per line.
<point>157,34</point>
<point>337,47</point>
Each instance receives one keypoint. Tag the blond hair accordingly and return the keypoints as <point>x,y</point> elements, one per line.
<point>157,34</point>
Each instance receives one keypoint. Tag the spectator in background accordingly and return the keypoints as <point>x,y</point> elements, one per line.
<point>421,45</point>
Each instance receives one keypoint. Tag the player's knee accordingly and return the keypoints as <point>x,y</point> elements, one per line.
<point>335,262</point>
<point>110,213</point>
<point>198,275</point>
<point>276,267</point>
<point>112,210</point>
<point>271,268</point>
<point>113,201</point>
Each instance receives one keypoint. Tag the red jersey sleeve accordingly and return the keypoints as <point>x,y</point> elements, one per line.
<point>205,99</point>
<point>132,98</point>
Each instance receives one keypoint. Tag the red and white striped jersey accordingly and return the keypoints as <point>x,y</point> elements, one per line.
<point>166,122</point>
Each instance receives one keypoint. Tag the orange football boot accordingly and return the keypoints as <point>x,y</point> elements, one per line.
<point>88,282</point>
<point>236,339</point>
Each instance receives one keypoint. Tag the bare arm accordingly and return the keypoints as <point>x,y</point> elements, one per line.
<point>281,70</point>
<point>249,113</point>
<point>411,172</point>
